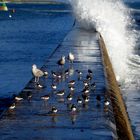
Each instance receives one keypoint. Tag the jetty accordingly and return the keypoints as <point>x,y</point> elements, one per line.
<point>32,118</point>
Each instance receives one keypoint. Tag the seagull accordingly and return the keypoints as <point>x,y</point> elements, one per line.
<point>61,62</point>
<point>37,73</point>
<point>71,57</point>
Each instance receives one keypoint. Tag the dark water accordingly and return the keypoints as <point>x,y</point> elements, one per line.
<point>29,37</point>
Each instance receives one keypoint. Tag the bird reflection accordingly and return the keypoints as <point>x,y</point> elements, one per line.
<point>73,118</point>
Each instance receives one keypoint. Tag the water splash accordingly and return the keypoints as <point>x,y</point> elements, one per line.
<point>112,19</point>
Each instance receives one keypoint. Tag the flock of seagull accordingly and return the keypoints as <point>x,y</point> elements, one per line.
<point>88,85</point>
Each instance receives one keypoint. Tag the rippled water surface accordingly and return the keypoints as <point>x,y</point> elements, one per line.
<point>29,37</point>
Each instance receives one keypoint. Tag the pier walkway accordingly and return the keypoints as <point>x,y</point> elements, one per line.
<point>32,120</point>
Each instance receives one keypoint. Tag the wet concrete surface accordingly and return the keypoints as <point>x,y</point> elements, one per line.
<point>32,119</point>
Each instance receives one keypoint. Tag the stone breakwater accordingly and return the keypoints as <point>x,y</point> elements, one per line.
<point>120,111</point>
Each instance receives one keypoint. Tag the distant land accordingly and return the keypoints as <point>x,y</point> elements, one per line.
<point>34,1</point>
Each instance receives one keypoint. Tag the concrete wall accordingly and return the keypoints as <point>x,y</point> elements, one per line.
<point>121,117</point>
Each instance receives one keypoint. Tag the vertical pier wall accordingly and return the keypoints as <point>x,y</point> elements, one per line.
<point>121,117</point>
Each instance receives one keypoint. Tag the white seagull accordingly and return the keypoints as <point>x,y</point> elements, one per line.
<point>37,73</point>
<point>71,57</point>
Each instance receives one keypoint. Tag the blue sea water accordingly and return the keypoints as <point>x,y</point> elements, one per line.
<point>29,37</point>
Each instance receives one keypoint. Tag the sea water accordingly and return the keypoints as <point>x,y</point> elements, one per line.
<point>28,37</point>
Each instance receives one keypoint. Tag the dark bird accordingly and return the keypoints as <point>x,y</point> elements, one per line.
<point>86,99</point>
<point>79,100</point>
<point>67,72</point>
<point>61,93</point>
<point>17,98</point>
<point>90,72</point>
<point>86,83</point>
<point>79,72</point>
<point>89,77</point>
<point>39,85</point>
<point>54,110</point>
<point>54,74</point>
<point>69,97</point>
<point>53,86</point>
<point>71,83</point>
<point>45,97</point>
<point>86,90</point>
<point>61,62</point>
<point>12,107</point>
<point>73,108</point>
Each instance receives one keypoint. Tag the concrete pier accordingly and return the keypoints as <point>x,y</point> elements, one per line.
<point>31,119</point>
